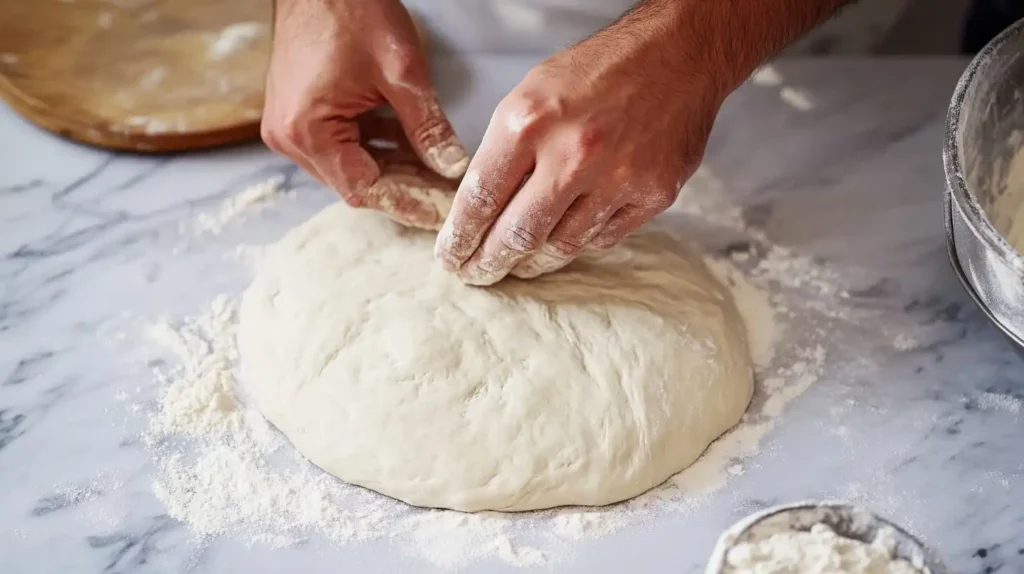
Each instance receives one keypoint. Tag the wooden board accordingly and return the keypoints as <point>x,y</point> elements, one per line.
<point>141,75</point>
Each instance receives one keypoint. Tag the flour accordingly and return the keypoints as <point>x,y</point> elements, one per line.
<point>998,402</point>
<point>155,126</point>
<point>250,200</point>
<point>233,38</point>
<point>767,76</point>
<point>199,399</point>
<point>796,98</point>
<point>1006,210</point>
<point>153,78</point>
<point>904,342</point>
<point>104,19</point>
<point>235,476</point>
<point>818,550</point>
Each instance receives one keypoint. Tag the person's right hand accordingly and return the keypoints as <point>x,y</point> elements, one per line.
<point>335,60</point>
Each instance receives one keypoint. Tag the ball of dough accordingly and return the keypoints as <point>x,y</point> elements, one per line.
<point>584,387</point>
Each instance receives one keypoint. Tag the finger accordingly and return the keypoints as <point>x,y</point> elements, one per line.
<point>284,147</point>
<point>350,171</point>
<point>414,100</point>
<point>625,221</point>
<point>293,153</point>
<point>585,218</point>
<point>332,147</point>
<point>520,230</point>
<point>495,175</point>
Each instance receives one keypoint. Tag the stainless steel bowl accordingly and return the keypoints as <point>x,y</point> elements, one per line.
<point>846,520</point>
<point>986,111</point>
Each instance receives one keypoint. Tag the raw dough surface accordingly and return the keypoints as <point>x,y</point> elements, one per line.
<point>585,387</point>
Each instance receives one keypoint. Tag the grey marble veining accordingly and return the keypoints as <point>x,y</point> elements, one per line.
<point>910,430</point>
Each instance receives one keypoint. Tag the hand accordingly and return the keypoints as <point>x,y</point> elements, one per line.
<point>335,60</point>
<point>593,143</point>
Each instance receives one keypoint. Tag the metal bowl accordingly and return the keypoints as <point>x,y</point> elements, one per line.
<point>846,520</point>
<point>984,129</point>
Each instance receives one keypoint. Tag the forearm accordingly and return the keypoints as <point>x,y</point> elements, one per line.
<point>728,39</point>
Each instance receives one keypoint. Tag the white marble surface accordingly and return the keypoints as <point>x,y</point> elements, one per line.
<point>856,181</point>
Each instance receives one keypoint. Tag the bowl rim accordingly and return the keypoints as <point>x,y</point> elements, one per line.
<point>975,216</point>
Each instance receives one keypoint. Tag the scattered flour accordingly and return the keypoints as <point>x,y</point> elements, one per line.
<point>766,76</point>
<point>252,199</point>
<point>818,550</point>
<point>153,78</point>
<point>223,470</point>
<point>997,402</point>
<point>199,397</point>
<point>904,342</point>
<point>798,99</point>
<point>8,58</point>
<point>104,19</point>
<point>233,38</point>
<point>154,126</point>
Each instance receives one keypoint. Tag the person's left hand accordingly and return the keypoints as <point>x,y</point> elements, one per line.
<point>593,143</point>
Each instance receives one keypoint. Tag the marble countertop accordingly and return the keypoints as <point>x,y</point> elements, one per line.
<point>843,165</point>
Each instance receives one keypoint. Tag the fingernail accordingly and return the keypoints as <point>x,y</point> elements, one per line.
<point>450,159</point>
<point>443,247</point>
<point>477,275</point>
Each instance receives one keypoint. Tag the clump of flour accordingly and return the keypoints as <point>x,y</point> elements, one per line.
<point>198,397</point>
<point>223,470</point>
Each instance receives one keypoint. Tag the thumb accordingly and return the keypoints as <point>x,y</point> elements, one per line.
<point>351,171</point>
<point>425,124</point>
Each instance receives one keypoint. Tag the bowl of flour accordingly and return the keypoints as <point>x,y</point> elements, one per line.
<point>820,537</point>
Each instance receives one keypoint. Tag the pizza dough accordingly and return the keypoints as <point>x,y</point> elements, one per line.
<point>585,387</point>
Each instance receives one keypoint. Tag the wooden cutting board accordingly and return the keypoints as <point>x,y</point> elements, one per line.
<point>140,75</point>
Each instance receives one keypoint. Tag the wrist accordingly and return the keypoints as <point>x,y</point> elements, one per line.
<point>724,41</point>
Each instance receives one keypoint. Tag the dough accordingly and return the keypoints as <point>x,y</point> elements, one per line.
<point>584,387</point>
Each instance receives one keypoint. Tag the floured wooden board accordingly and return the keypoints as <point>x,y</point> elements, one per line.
<point>142,75</point>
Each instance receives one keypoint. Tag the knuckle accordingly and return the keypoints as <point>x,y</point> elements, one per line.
<point>566,247</point>
<point>584,140</point>
<point>269,136</point>
<point>605,240</point>
<point>289,132</point>
<point>520,240</point>
<point>662,200</point>
<point>291,129</point>
<point>431,129</point>
<point>480,198</point>
<point>404,65</point>
<point>525,113</point>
